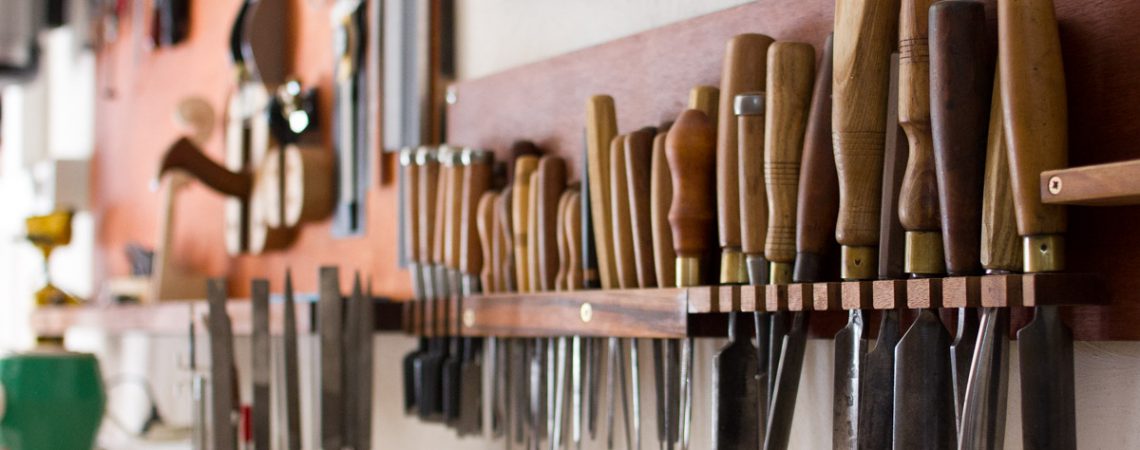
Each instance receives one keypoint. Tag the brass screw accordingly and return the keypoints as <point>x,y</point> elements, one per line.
<point>1055,185</point>
<point>586,312</point>
<point>468,317</point>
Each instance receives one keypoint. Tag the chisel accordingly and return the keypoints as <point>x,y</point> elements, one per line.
<point>865,32</point>
<point>626,278</point>
<point>476,182</point>
<point>452,161</point>
<point>410,167</point>
<point>791,71</point>
<point>434,184</point>
<point>330,316</point>
<point>637,154</point>
<point>960,87</point>
<point>924,388</point>
<point>572,223</point>
<point>223,376</point>
<point>547,184</point>
<point>259,301</point>
<point>665,350</point>
<point>487,226</point>
<point>1035,113</point>
<point>291,376</point>
<point>591,351</point>
<point>561,361</point>
<point>538,348</point>
<point>982,422</point>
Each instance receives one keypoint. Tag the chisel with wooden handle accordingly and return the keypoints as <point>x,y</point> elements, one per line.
<point>666,351</point>
<point>488,227</point>
<point>982,422</point>
<point>865,32</point>
<point>1036,133</point>
<point>960,87</point>
<point>435,179</point>
<point>548,183</point>
<point>411,175</point>
<point>472,260</point>
<point>520,205</point>
<point>791,70</point>
<point>637,156</point>
<point>601,127</point>
<point>572,227</point>
<point>452,248</point>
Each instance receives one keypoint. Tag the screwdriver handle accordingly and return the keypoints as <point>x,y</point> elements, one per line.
<point>817,202</point>
<point>791,70</point>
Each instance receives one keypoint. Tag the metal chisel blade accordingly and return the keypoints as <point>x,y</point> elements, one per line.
<point>261,363</point>
<point>982,424</point>
<point>877,387</point>
<point>1045,345</point>
<point>351,358</point>
<point>849,352</point>
<point>783,400</point>
<point>330,315</point>
<point>924,397</point>
<point>221,368</point>
<point>736,393</point>
<point>292,370</point>
<point>962,355</point>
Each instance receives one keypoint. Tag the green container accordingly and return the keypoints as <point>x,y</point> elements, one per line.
<point>50,401</point>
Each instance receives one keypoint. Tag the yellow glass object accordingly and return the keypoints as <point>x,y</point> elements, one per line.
<point>46,233</point>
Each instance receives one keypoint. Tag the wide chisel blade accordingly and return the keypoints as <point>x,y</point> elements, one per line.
<point>735,391</point>
<point>876,394</point>
<point>330,319</point>
<point>849,352</point>
<point>924,398</point>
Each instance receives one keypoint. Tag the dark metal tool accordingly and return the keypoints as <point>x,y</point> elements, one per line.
<point>452,248</point>
<point>410,166</point>
<point>262,372</point>
<point>436,179</point>
<point>350,357</point>
<point>330,317</point>
<point>291,377</point>
<point>350,113</point>
<point>222,373</point>
<point>471,263</point>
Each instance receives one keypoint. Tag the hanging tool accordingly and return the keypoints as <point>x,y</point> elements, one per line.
<point>864,34</point>
<point>290,377</point>
<point>638,161</point>
<point>548,182</point>
<point>411,165</point>
<point>791,71</point>
<point>960,87</point>
<point>351,361</point>
<point>259,300</point>
<point>664,350</point>
<point>365,324</point>
<point>330,313</point>
<point>982,422</point>
<point>591,351</point>
<point>487,227</point>
<point>349,116</point>
<point>471,264</point>
<point>1033,104</point>
<point>452,248</point>
<point>572,223</point>
<point>222,372</point>
<point>433,185</point>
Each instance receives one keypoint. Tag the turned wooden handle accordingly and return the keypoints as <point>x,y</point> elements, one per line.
<point>411,201</point>
<point>476,182</point>
<point>601,127</point>
<point>1000,250</point>
<point>487,226</point>
<point>750,109</point>
<point>791,69</point>
<point>705,99</point>
<point>691,150</point>
<point>744,70</point>
<point>520,215</point>
<point>918,198</point>
<point>1033,108</point>
<point>507,261</point>
<point>865,32</point>
<point>660,198</point>
<point>560,276</point>
<point>453,213</point>
<point>817,202</point>
<point>550,179</point>
<point>573,227</point>
<point>638,169</point>
<point>620,216</point>
<point>960,87</point>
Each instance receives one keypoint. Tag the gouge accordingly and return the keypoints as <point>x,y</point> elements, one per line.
<point>864,35</point>
<point>960,87</point>
<point>791,70</point>
<point>1033,106</point>
<point>666,352</point>
<point>472,261</point>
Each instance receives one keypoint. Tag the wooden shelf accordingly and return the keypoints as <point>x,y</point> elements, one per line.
<point>1113,184</point>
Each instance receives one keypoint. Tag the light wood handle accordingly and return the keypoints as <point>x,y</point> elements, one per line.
<point>573,224</point>
<point>918,199</point>
<point>1033,108</point>
<point>690,148</point>
<point>751,108</point>
<point>560,277</point>
<point>620,215</point>
<point>960,87</point>
<point>487,226</point>
<point>520,214</point>
<point>533,283</point>
<point>817,202</point>
<point>705,99</point>
<point>1000,251</point>
<point>744,70</point>
<point>454,211</point>
<point>411,201</point>
<point>638,167</point>
<point>865,32</point>
<point>507,269</point>
<point>601,127</point>
<point>476,182</point>
<point>550,182</point>
<point>660,198</point>
<point>791,70</point>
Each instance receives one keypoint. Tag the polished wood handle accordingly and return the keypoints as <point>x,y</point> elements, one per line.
<point>918,199</point>
<point>476,182</point>
<point>411,201</point>
<point>892,242</point>
<point>691,151</point>
<point>487,227</point>
<point>750,109</point>
<point>1033,107</point>
<point>744,70</point>
<point>638,169</point>
<point>620,216</point>
<point>660,198</point>
<point>960,88</point>
<point>560,277</point>
<point>817,200</point>
<point>442,178</point>
<point>507,262</point>
<point>525,167</point>
<point>791,70</point>
<point>601,127</point>
<point>573,227</point>
<point>865,32</point>
<point>1000,251</point>
<point>705,99</point>
<point>453,213</point>
<point>550,181</point>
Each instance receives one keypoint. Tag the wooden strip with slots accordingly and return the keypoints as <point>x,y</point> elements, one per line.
<point>658,313</point>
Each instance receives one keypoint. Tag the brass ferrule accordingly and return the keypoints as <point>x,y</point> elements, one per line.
<point>732,267</point>
<point>688,271</point>
<point>780,272</point>
<point>924,254</point>
<point>858,262</point>
<point>1044,253</point>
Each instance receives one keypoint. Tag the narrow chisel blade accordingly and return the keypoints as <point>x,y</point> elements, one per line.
<point>877,387</point>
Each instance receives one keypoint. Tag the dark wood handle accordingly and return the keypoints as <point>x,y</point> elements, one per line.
<point>660,199</point>
<point>620,216</point>
<point>411,202</point>
<point>525,167</point>
<point>791,69</point>
<point>1033,104</point>
<point>817,202</point>
<point>453,212</point>
<point>487,227</point>
<point>865,32</point>
<point>638,169</point>
<point>960,87</point>
<point>918,199</point>
<point>1000,251</point>
<point>744,70</point>
<point>551,181</point>
<point>691,150</point>
<point>601,127</point>
<point>184,155</point>
<point>443,179</point>
<point>750,108</point>
<point>476,182</point>
<point>573,226</point>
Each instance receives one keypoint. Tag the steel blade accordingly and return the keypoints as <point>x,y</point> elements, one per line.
<point>783,401</point>
<point>1048,417</point>
<point>924,392</point>
<point>849,352</point>
<point>736,386</point>
<point>221,368</point>
<point>259,296</point>
<point>982,424</point>
<point>877,387</point>
<point>962,355</point>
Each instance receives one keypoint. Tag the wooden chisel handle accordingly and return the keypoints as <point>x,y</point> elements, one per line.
<point>791,68</point>
<point>865,32</point>
<point>817,202</point>
<point>533,276</point>
<point>573,227</point>
<point>960,87</point>
<point>507,259</point>
<point>520,212</point>
<point>638,167</point>
<point>1000,251</point>
<point>1036,123</point>
<point>444,178</point>
<point>601,127</point>
<point>551,182</point>
<point>705,99</point>
<point>660,198</point>
<point>744,70</point>
<point>487,226</point>
<point>750,108</point>
<point>476,181</point>
<point>454,208</point>
<point>620,215</point>
<point>563,243</point>
<point>691,150</point>
<point>411,200</point>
